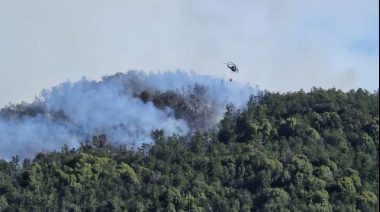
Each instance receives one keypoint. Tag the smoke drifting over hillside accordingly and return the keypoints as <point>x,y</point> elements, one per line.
<point>73,112</point>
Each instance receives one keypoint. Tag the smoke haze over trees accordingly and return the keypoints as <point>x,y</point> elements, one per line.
<point>124,106</point>
<point>301,151</point>
<point>186,141</point>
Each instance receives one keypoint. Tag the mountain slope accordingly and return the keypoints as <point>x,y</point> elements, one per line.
<point>316,151</point>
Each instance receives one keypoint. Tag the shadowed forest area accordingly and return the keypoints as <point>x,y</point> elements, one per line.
<point>300,151</point>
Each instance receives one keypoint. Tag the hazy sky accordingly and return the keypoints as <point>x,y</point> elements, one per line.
<point>282,45</point>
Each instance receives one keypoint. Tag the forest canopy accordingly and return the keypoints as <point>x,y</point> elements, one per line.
<point>299,151</point>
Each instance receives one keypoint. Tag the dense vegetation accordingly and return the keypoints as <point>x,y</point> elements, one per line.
<point>316,151</point>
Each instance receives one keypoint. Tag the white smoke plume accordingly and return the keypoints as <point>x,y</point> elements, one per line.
<point>73,112</point>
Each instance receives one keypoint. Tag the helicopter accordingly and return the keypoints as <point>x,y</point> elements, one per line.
<point>232,66</point>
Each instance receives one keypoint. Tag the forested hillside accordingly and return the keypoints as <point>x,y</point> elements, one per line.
<point>314,151</point>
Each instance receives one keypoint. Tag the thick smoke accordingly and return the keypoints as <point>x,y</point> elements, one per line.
<point>71,113</point>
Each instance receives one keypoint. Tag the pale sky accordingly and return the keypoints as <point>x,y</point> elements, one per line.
<point>281,45</point>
